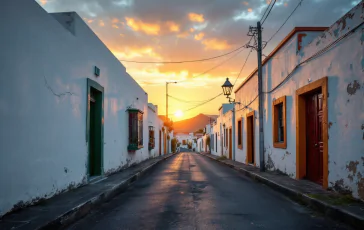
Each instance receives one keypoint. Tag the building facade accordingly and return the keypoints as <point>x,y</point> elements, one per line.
<point>69,112</point>
<point>313,107</point>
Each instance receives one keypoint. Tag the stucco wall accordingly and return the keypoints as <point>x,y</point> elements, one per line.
<point>43,103</point>
<point>343,64</point>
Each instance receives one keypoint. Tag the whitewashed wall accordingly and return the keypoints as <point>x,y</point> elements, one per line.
<point>153,120</point>
<point>43,103</point>
<point>343,64</point>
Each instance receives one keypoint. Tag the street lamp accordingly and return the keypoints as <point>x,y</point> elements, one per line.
<point>227,88</point>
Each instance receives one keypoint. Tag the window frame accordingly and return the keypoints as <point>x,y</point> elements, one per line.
<point>151,144</point>
<point>275,117</point>
<point>240,133</point>
<point>135,138</point>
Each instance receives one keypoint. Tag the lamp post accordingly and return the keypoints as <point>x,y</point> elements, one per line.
<point>171,82</point>
<point>227,88</point>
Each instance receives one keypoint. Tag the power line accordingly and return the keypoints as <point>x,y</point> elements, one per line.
<point>185,61</point>
<point>268,11</point>
<point>318,53</point>
<point>201,104</point>
<point>299,4</point>
<point>241,70</point>
<point>185,101</point>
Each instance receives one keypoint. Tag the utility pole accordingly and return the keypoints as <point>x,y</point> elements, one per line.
<point>167,109</point>
<point>260,93</point>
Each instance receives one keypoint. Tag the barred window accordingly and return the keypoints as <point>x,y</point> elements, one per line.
<point>135,129</point>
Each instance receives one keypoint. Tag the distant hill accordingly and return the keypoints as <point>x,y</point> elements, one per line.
<point>193,124</point>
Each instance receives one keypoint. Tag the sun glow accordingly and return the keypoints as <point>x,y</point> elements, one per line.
<point>179,113</point>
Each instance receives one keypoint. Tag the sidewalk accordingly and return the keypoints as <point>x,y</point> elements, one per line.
<point>331,204</point>
<point>66,208</point>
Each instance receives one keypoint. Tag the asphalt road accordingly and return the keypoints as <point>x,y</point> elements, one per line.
<point>190,191</point>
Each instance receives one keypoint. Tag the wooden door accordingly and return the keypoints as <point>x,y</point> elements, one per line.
<point>230,144</point>
<point>314,140</point>
<point>250,138</point>
<point>160,142</point>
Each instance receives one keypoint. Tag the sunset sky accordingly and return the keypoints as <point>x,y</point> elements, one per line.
<point>177,30</point>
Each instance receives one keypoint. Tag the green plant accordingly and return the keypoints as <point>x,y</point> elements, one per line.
<point>221,158</point>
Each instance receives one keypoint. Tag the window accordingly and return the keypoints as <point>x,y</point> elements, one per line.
<point>240,138</point>
<point>184,142</point>
<point>151,144</point>
<point>135,129</point>
<point>279,123</point>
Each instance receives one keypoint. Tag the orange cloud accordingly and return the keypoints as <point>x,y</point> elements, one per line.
<point>246,3</point>
<point>199,36</point>
<point>90,21</point>
<point>215,44</point>
<point>135,52</point>
<point>43,2</point>
<point>192,30</point>
<point>101,23</point>
<point>183,35</point>
<point>250,10</point>
<point>173,27</point>
<point>115,20</point>
<point>138,25</point>
<point>115,26</point>
<point>196,17</point>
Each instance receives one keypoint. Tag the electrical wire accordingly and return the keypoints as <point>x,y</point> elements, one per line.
<point>262,21</point>
<point>185,61</point>
<point>294,10</point>
<point>185,101</point>
<point>201,104</point>
<point>266,10</point>
<point>318,53</point>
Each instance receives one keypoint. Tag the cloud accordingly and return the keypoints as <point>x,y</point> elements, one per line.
<point>173,27</point>
<point>199,36</point>
<point>138,25</point>
<point>134,52</point>
<point>215,44</point>
<point>196,17</point>
<point>101,23</point>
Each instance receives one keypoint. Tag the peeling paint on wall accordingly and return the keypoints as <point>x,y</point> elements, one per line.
<point>353,87</point>
<point>361,188</point>
<point>338,186</point>
<point>352,167</point>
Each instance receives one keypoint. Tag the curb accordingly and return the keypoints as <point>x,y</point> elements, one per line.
<point>328,210</point>
<point>83,209</point>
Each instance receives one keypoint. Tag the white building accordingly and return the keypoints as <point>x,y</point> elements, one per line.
<point>69,111</point>
<point>313,106</point>
<point>221,131</point>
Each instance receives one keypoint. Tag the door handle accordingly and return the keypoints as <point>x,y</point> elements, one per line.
<point>316,145</point>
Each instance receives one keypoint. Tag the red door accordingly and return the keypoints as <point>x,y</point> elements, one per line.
<point>314,143</point>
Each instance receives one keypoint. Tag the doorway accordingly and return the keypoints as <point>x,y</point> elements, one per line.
<point>95,129</point>
<point>230,144</point>
<point>250,138</point>
<point>160,142</point>
<point>311,132</point>
<point>314,144</point>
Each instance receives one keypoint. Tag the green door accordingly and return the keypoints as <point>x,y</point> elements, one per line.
<point>95,156</point>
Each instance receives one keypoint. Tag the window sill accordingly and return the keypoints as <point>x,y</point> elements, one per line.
<point>280,145</point>
<point>133,147</point>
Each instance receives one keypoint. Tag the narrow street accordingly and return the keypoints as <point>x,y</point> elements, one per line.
<point>190,191</point>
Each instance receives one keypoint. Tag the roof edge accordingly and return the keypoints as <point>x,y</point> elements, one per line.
<point>279,46</point>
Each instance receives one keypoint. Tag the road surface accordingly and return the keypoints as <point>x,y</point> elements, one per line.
<point>190,191</point>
